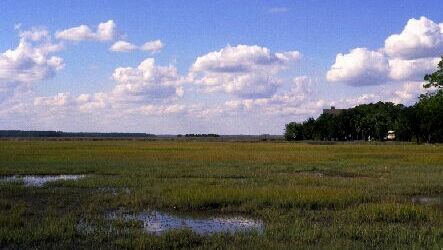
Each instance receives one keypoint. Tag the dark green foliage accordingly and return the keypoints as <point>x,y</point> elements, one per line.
<point>294,132</point>
<point>435,79</point>
<point>429,117</point>
<point>358,123</point>
<point>22,133</point>
<point>201,135</point>
<point>422,121</point>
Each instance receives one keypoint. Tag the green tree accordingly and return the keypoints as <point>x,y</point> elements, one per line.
<point>309,129</point>
<point>324,127</point>
<point>405,124</point>
<point>294,131</point>
<point>430,116</point>
<point>435,79</point>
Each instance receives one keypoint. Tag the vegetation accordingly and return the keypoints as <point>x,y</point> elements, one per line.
<point>21,133</point>
<point>435,79</point>
<point>201,135</point>
<point>360,123</point>
<point>422,121</point>
<point>348,195</point>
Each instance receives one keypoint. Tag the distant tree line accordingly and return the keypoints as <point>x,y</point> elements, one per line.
<point>200,135</point>
<point>21,133</point>
<point>422,121</point>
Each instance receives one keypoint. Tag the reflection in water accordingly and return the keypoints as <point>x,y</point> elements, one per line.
<point>40,180</point>
<point>157,223</point>
<point>427,200</point>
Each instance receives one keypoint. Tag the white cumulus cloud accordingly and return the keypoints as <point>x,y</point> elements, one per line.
<point>30,62</point>
<point>407,56</point>
<point>246,71</point>
<point>152,46</point>
<point>147,82</point>
<point>299,100</point>
<point>359,67</point>
<point>123,46</point>
<point>411,70</point>
<point>104,32</point>
<point>419,38</point>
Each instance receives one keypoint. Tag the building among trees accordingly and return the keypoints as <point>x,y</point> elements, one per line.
<point>333,111</point>
<point>380,121</point>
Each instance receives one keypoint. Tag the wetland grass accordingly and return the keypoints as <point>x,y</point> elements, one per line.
<point>307,196</point>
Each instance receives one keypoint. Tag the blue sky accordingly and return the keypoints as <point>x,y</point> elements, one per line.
<point>252,96</point>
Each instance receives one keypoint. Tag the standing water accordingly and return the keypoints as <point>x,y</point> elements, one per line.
<point>39,180</point>
<point>158,223</point>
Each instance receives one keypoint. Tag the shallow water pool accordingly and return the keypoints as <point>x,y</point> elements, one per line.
<point>39,180</point>
<point>158,223</point>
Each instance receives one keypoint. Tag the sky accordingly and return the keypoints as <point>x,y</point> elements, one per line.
<point>226,67</point>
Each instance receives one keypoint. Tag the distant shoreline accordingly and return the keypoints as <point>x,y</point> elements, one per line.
<point>21,135</point>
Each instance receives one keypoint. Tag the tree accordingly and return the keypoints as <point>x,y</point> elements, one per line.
<point>405,125</point>
<point>309,129</point>
<point>430,116</point>
<point>324,127</point>
<point>294,131</point>
<point>435,79</point>
<point>423,121</point>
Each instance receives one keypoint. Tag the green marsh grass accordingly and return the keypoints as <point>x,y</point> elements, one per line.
<point>308,196</point>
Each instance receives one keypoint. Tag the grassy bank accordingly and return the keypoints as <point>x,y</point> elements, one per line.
<point>308,196</point>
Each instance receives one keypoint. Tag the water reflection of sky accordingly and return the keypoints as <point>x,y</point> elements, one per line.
<point>157,223</point>
<point>40,180</point>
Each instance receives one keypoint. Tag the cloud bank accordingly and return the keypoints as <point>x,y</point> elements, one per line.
<point>246,71</point>
<point>245,83</point>
<point>405,57</point>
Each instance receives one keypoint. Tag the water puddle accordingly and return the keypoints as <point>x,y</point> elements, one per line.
<point>331,174</point>
<point>85,228</point>
<point>157,223</point>
<point>423,200</point>
<point>114,191</point>
<point>39,180</point>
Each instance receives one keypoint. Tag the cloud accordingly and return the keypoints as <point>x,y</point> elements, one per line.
<point>359,67</point>
<point>419,38</point>
<point>160,110</point>
<point>147,90</point>
<point>147,82</point>
<point>124,46</point>
<point>406,57</point>
<point>92,102</point>
<point>408,93</point>
<point>65,102</point>
<point>300,100</point>
<point>100,103</point>
<point>412,70</point>
<point>104,32</point>
<point>242,58</point>
<point>30,62</point>
<point>252,76</point>
<point>61,99</point>
<point>153,46</point>
<point>244,71</point>
<point>362,67</point>
<point>146,85</point>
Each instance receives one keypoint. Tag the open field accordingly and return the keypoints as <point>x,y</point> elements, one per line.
<point>308,196</point>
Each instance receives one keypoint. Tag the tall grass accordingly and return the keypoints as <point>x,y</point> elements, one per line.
<point>309,196</point>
